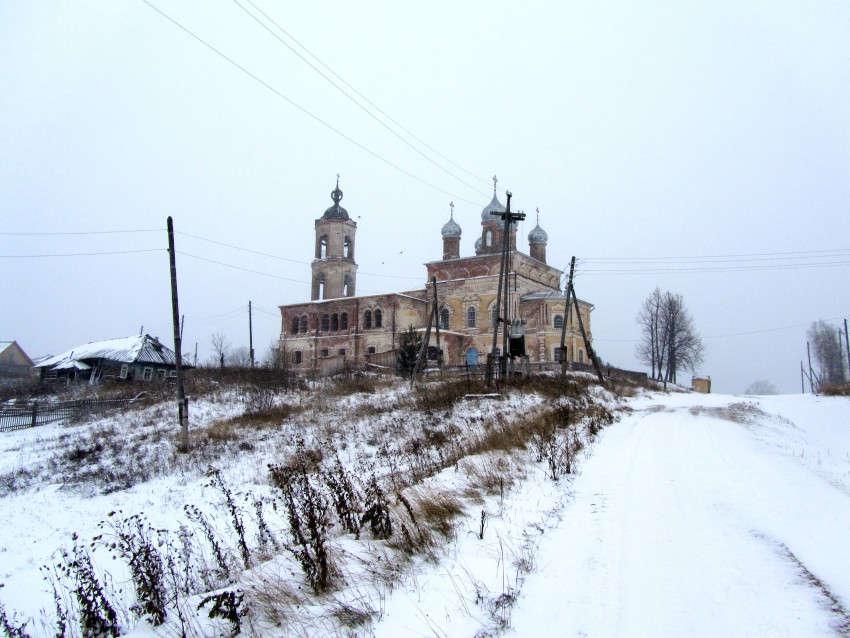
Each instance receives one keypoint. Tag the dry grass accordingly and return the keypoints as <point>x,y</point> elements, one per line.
<point>835,389</point>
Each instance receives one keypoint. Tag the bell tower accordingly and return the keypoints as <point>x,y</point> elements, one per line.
<point>334,268</point>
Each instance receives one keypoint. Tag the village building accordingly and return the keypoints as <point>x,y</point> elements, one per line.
<point>338,329</point>
<point>140,358</point>
<point>15,364</point>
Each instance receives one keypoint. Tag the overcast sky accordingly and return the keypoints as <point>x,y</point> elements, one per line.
<point>714,133</point>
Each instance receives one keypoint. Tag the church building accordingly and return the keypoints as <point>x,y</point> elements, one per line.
<point>338,329</point>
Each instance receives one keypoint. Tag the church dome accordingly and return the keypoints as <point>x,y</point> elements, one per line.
<point>495,206</point>
<point>451,229</point>
<point>537,236</point>
<point>478,246</point>
<point>336,211</point>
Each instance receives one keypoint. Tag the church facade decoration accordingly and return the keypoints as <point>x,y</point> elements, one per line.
<point>339,329</point>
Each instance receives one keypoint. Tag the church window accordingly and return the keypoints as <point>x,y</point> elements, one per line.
<point>370,350</point>
<point>556,354</point>
<point>367,320</point>
<point>341,352</point>
<point>348,248</point>
<point>580,355</point>
<point>470,317</point>
<point>304,322</point>
<point>343,321</point>
<point>444,319</point>
<point>559,321</point>
<point>297,358</point>
<point>488,238</point>
<point>296,322</point>
<point>378,318</point>
<point>334,322</point>
<point>322,247</point>
<point>325,323</point>
<point>324,353</point>
<point>494,315</point>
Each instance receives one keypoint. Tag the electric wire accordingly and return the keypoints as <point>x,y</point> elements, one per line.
<point>304,110</point>
<point>367,100</point>
<point>341,90</point>
<point>87,232</point>
<point>110,252</point>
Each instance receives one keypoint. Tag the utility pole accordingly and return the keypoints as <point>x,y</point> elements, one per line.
<point>437,326</point>
<point>847,348</point>
<point>182,401</point>
<point>250,336</point>
<point>809,355</point>
<point>508,219</point>
<point>564,322</point>
<point>587,345</point>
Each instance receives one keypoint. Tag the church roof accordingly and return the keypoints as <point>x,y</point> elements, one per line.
<point>537,236</point>
<point>451,228</point>
<point>336,211</point>
<point>495,206</point>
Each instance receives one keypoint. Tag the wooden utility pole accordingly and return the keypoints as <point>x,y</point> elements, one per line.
<point>564,322</point>
<point>587,345</point>
<point>508,219</point>
<point>847,348</point>
<point>437,327</point>
<point>809,355</point>
<point>182,401</point>
<point>250,336</point>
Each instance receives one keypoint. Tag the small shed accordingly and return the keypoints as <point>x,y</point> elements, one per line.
<point>701,384</point>
<point>14,362</point>
<point>141,358</point>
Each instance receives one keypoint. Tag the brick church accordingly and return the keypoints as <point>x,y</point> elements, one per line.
<point>338,328</point>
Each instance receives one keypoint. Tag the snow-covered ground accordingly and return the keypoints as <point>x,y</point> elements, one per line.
<point>693,515</point>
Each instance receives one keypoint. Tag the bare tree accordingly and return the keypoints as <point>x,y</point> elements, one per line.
<point>240,357</point>
<point>221,346</point>
<point>669,340</point>
<point>761,387</point>
<point>826,349</point>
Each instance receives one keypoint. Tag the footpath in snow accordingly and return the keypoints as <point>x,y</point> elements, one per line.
<point>703,516</point>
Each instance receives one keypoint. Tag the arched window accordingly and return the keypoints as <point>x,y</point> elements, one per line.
<point>343,321</point>
<point>367,320</point>
<point>297,359</point>
<point>320,286</point>
<point>334,322</point>
<point>341,352</point>
<point>580,355</point>
<point>348,248</point>
<point>559,321</point>
<point>557,354</point>
<point>494,315</point>
<point>325,323</point>
<point>322,247</point>
<point>488,238</point>
<point>325,353</point>
<point>470,317</point>
<point>444,319</point>
<point>379,316</point>
<point>304,323</point>
<point>295,324</point>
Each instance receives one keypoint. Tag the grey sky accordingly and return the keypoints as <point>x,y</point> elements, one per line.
<point>640,130</point>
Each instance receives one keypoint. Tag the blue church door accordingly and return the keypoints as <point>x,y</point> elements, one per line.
<point>472,357</point>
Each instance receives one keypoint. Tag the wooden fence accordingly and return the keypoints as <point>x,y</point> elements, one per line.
<point>31,414</point>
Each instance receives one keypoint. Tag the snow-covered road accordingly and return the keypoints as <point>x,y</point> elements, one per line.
<point>692,519</point>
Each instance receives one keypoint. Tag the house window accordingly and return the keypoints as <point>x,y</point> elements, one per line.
<point>297,358</point>
<point>370,350</point>
<point>334,322</point>
<point>295,323</point>
<point>559,321</point>
<point>444,318</point>
<point>367,320</point>
<point>172,373</point>
<point>343,321</point>
<point>324,353</point>
<point>147,374</point>
<point>378,318</point>
<point>326,321</point>
<point>160,374</point>
<point>304,323</point>
<point>125,369</point>
<point>470,317</point>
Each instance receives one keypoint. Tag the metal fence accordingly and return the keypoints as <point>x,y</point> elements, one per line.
<point>31,414</point>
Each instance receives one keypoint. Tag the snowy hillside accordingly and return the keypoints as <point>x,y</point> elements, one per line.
<point>547,511</point>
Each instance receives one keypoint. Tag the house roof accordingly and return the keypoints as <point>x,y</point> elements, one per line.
<point>137,349</point>
<point>11,347</point>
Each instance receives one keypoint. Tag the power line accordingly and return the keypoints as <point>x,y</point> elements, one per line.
<point>112,252</point>
<point>88,232</point>
<point>341,90</point>
<point>304,110</point>
<point>830,252</point>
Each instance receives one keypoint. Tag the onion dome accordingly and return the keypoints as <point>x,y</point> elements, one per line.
<point>451,229</point>
<point>537,236</point>
<point>336,211</point>
<point>478,246</point>
<point>495,206</point>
